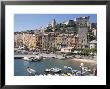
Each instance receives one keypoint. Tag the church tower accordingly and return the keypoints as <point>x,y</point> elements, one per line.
<point>53,23</point>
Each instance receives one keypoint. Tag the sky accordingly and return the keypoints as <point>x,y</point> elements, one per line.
<point>24,22</point>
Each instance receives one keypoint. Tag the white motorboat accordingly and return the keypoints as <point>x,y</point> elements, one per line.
<point>70,68</point>
<point>47,70</point>
<point>53,70</point>
<point>31,71</point>
<point>26,58</point>
<point>39,57</point>
<point>36,58</point>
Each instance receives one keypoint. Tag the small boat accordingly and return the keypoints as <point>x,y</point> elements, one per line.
<point>39,57</point>
<point>64,74</point>
<point>74,71</point>
<point>47,70</point>
<point>83,73</point>
<point>36,58</point>
<point>68,68</point>
<point>26,58</point>
<point>87,69</point>
<point>69,74</point>
<point>31,71</point>
<point>31,58</point>
<point>55,69</point>
<point>65,67</point>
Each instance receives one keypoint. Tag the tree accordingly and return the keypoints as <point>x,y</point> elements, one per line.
<point>69,54</point>
<point>93,50</point>
<point>90,36</point>
<point>53,49</point>
<point>88,51</point>
<point>48,29</point>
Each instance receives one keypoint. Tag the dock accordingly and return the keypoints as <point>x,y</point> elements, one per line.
<point>43,55</point>
<point>22,56</point>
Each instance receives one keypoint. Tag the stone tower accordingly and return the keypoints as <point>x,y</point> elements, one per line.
<point>83,26</point>
<point>53,23</point>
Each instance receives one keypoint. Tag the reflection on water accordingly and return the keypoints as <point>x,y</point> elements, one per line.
<point>21,65</point>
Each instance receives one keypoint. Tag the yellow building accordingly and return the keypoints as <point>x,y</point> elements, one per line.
<point>32,42</point>
<point>73,41</point>
<point>18,39</point>
<point>58,41</point>
<point>45,41</point>
<point>66,40</point>
<point>25,38</point>
<point>38,41</point>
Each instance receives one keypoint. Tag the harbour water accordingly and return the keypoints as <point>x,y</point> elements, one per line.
<point>20,65</point>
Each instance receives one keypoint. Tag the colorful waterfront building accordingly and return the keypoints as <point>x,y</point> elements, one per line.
<point>18,40</point>
<point>58,41</point>
<point>51,39</point>
<point>61,41</point>
<point>25,39</point>
<point>47,38</point>
<point>29,40</point>
<point>45,42</point>
<point>38,41</point>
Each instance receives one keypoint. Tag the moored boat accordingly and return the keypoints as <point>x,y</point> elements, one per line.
<point>36,58</point>
<point>53,71</point>
<point>31,71</point>
<point>26,58</point>
<point>56,70</point>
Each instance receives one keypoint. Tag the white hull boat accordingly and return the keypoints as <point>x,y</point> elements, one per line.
<point>31,71</point>
<point>26,58</point>
<point>36,58</point>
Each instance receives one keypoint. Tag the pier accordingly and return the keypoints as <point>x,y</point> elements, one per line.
<point>22,56</point>
<point>43,55</point>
